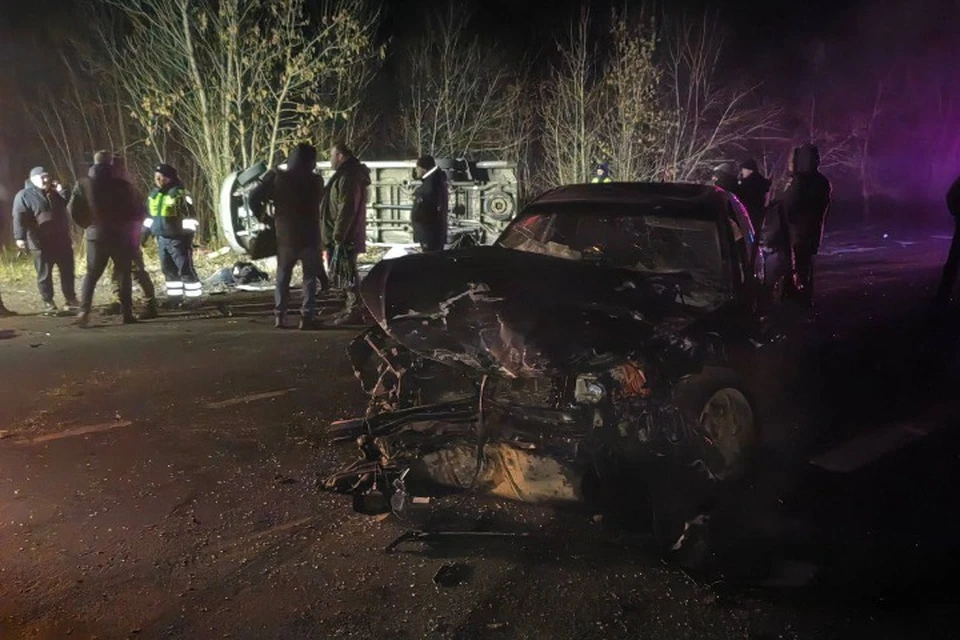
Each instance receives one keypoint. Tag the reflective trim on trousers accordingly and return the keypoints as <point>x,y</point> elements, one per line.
<point>175,289</point>
<point>193,289</point>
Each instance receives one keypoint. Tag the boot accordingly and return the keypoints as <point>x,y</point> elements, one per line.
<point>352,312</point>
<point>83,319</point>
<point>72,305</point>
<point>149,311</point>
<point>307,323</point>
<point>279,322</point>
<point>49,308</point>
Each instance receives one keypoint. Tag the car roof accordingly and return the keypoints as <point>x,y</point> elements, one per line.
<point>688,199</point>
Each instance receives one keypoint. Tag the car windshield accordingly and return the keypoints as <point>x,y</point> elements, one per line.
<point>655,244</point>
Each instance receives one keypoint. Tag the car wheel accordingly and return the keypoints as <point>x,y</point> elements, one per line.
<point>719,413</point>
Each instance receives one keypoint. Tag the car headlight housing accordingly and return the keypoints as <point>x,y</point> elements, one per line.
<point>588,390</point>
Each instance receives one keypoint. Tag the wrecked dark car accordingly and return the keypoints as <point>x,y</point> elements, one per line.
<point>589,343</point>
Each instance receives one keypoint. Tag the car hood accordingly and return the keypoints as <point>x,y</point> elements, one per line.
<point>506,312</point>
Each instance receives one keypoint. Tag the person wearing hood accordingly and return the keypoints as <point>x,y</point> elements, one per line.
<point>173,222</point>
<point>41,225</point>
<point>752,189</point>
<point>949,277</point>
<point>296,194</point>
<point>725,177</point>
<point>105,205</point>
<point>806,202</point>
<point>430,206</point>
<point>343,214</point>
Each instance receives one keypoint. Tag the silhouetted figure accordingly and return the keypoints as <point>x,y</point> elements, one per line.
<point>725,177</point>
<point>296,194</point>
<point>806,202</point>
<point>751,190</point>
<point>430,206</point>
<point>949,277</point>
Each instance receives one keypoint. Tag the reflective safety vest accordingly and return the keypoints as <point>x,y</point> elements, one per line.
<point>169,212</point>
<point>597,179</point>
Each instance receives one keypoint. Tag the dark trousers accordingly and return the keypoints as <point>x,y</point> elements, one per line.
<point>99,253</point>
<point>139,273</point>
<point>176,260</point>
<point>804,266</point>
<point>432,237</point>
<point>949,277</point>
<point>287,258</point>
<point>44,261</point>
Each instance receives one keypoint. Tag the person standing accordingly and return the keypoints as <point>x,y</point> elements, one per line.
<point>952,265</point>
<point>106,207</point>
<point>296,194</point>
<point>173,223</point>
<point>806,202</point>
<point>430,206</point>
<point>752,189</point>
<point>138,236</point>
<point>41,225</point>
<point>601,174</point>
<point>343,214</point>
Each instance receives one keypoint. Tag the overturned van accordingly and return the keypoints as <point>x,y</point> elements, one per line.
<point>483,200</point>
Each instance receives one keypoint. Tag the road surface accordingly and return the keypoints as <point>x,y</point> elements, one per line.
<point>161,481</point>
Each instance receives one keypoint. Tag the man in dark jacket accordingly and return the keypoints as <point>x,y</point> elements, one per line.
<point>41,225</point>
<point>106,206</point>
<point>806,202</point>
<point>296,194</point>
<point>725,176</point>
<point>950,268</point>
<point>343,214</point>
<point>430,206</point>
<point>752,189</point>
<point>139,234</point>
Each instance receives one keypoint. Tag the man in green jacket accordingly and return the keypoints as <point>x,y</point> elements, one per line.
<point>343,215</point>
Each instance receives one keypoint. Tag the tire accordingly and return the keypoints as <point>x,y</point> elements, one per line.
<point>719,413</point>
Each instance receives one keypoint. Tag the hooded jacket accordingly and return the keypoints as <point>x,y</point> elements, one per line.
<point>752,192</point>
<point>106,205</point>
<point>344,207</point>
<point>807,200</point>
<point>40,217</point>
<point>296,194</point>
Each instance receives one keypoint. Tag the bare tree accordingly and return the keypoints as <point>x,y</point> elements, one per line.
<point>709,119</point>
<point>634,121</point>
<point>570,102</point>
<point>460,96</point>
<point>241,80</point>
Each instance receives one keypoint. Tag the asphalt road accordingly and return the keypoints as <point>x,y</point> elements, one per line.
<point>160,480</point>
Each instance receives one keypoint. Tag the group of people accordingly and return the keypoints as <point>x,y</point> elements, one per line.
<point>789,225</point>
<point>317,223</point>
<point>116,223</point>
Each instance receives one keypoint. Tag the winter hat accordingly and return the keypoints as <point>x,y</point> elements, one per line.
<point>103,157</point>
<point>166,171</point>
<point>426,162</point>
<point>37,171</point>
<point>750,164</point>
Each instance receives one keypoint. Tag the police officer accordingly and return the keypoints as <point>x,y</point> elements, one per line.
<point>173,223</point>
<point>602,173</point>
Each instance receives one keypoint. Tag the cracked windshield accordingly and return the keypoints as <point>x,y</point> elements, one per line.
<point>685,252</point>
